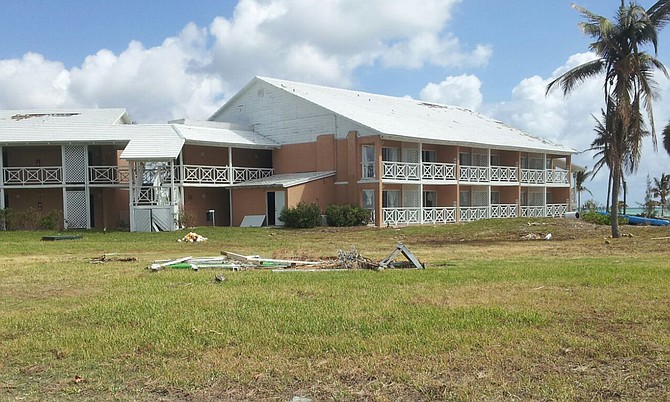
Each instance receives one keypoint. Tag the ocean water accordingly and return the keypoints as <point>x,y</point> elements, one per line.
<point>638,211</point>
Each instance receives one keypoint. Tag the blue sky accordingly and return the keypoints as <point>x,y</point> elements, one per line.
<point>171,59</point>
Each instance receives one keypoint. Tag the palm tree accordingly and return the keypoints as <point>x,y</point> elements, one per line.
<point>580,177</point>
<point>628,82</point>
<point>666,138</point>
<point>661,190</point>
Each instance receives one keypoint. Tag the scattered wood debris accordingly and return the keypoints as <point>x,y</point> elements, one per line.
<point>112,257</point>
<point>61,237</point>
<point>192,237</point>
<point>345,260</point>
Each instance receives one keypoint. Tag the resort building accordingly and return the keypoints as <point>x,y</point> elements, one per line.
<point>274,144</point>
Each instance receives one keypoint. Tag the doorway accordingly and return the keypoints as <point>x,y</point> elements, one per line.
<point>276,201</point>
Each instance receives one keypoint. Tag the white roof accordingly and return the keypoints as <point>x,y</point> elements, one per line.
<point>152,142</point>
<point>285,180</point>
<point>111,126</point>
<point>409,119</point>
<point>57,117</point>
<point>219,134</point>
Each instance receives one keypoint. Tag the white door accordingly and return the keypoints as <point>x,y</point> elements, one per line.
<point>280,203</point>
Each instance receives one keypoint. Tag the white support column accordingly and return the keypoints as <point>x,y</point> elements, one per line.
<point>62,169</point>
<point>174,199</point>
<point>230,190</point>
<point>2,180</point>
<point>488,196</point>
<point>131,195</point>
<point>421,206</point>
<point>87,189</point>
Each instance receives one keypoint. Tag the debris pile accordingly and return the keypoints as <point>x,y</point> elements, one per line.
<point>192,237</point>
<point>112,257</point>
<point>345,260</point>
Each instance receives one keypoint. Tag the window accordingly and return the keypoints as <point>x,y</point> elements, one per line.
<point>429,199</point>
<point>464,159</point>
<point>368,157</point>
<point>495,197</point>
<point>464,198</point>
<point>391,154</point>
<point>369,199</point>
<point>391,198</point>
<point>428,156</point>
<point>495,160</point>
<point>524,198</point>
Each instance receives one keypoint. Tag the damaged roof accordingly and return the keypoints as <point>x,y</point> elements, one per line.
<point>149,142</point>
<point>409,119</point>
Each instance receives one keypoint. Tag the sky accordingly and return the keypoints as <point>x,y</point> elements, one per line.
<point>169,59</point>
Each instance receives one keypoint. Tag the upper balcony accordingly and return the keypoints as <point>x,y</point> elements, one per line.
<point>446,172</point>
<point>52,176</point>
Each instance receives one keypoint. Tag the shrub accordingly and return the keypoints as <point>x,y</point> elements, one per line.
<point>600,219</point>
<point>301,216</point>
<point>30,219</point>
<point>347,215</point>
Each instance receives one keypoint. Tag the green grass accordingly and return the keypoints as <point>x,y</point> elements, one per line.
<point>493,317</point>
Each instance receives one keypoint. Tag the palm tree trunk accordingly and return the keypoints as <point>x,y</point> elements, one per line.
<point>609,191</point>
<point>614,212</point>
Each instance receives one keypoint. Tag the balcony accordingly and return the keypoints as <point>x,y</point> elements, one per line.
<point>404,171</point>
<point>446,172</point>
<point>434,215</point>
<point>119,175</point>
<point>26,176</point>
<point>221,175</point>
<point>108,175</point>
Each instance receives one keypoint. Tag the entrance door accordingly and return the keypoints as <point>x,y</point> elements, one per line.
<point>276,201</point>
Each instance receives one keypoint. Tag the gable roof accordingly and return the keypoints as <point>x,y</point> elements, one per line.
<point>409,119</point>
<point>149,142</point>
<point>285,180</point>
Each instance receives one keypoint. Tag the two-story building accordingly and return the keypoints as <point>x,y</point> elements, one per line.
<point>274,144</point>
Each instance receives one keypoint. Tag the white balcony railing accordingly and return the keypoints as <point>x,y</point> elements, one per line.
<point>532,176</point>
<point>557,176</point>
<point>108,174</point>
<point>32,175</point>
<point>439,215</point>
<point>222,174</point>
<point>556,210</point>
<point>206,174</point>
<point>438,171</point>
<point>474,174</point>
<point>504,211</point>
<point>532,211</point>
<point>432,215</point>
<point>401,216</point>
<point>504,174</point>
<point>473,213</point>
<point>241,174</point>
<point>401,171</point>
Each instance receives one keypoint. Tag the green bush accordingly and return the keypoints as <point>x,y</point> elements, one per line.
<point>301,216</point>
<point>30,219</point>
<point>347,215</point>
<point>600,219</point>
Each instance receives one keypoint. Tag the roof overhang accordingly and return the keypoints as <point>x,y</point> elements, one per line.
<point>285,180</point>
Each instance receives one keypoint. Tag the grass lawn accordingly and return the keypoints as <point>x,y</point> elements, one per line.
<point>494,317</point>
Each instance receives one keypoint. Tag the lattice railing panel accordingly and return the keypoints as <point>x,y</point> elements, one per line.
<point>438,171</point>
<point>504,211</point>
<point>401,216</point>
<point>77,209</point>
<point>439,215</point>
<point>75,161</point>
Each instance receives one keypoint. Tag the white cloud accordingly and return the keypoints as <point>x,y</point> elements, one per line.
<point>463,90</point>
<point>568,120</point>
<point>33,82</point>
